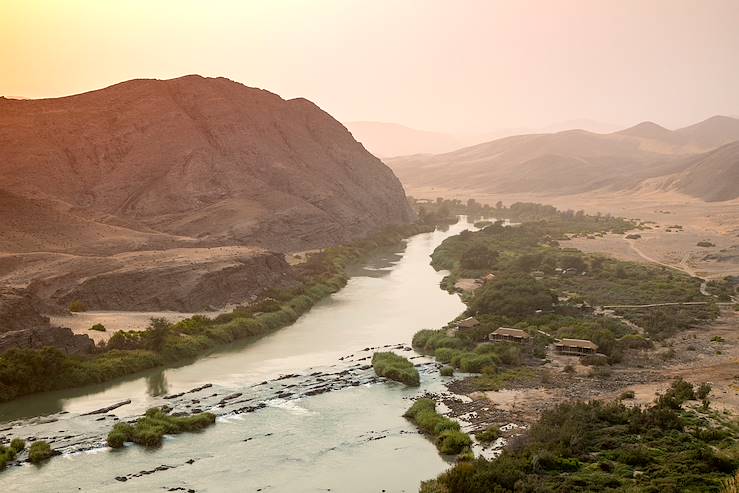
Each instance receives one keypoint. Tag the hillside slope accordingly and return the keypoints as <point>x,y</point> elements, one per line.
<point>713,177</point>
<point>198,158</point>
<point>567,162</point>
<point>174,194</point>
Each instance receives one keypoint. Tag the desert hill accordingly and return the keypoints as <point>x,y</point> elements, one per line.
<point>568,162</point>
<point>198,158</point>
<point>713,177</point>
<point>173,170</point>
<point>712,133</point>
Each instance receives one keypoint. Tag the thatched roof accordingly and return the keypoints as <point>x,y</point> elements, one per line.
<point>508,332</point>
<point>581,343</point>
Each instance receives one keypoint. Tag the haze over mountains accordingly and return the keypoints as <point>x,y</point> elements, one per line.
<point>688,160</point>
<point>391,139</point>
<point>168,169</point>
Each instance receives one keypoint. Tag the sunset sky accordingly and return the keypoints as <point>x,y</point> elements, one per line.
<point>459,65</point>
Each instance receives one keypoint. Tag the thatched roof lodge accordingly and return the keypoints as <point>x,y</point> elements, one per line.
<point>506,334</point>
<point>575,346</point>
<point>468,323</point>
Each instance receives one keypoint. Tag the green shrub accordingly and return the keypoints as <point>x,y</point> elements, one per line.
<point>627,394</point>
<point>18,444</point>
<point>77,306</point>
<point>703,390</point>
<point>9,453</point>
<point>490,434</point>
<point>98,327</point>
<point>474,363</point>
<point>151,428</point>
<point>452,442</point>
<point>445,354</point>
<point>395,367</point>
<point>119,435</point>
<point>39,452</point>
<point>446,371</point>
<point>447,436</point>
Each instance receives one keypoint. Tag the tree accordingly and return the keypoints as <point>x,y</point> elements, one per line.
<point>512,297</point>
<point>478,257</point>
<point>529,261</point>
<point>573,262</point>
<point>157,332</point>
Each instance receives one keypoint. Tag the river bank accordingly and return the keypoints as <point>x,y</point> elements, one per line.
<point>313,431</point>
<point>27,370</point>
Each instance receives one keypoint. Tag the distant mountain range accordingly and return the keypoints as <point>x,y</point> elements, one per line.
<point>690,160</point>
<point>390,139</point>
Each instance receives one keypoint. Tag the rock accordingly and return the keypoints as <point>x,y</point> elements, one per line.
<point>19,310</point>
<point>59,337</point>
<point>108,408</point>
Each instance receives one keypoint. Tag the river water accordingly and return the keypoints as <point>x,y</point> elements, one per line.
<point>352,438</point>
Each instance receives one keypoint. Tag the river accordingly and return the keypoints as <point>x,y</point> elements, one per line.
<point>352,438</point>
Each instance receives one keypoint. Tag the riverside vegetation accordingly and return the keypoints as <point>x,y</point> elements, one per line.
<point>609,446</point>
<point>8,453</point>
<point>395,367</point>
<point>550,291</point>
<point>553,292</point>
<point>25,371</point>
<point>446,433</point>
<point>154,424</point>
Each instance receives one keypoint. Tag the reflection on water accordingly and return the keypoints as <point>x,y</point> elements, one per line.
<point>156,384</point>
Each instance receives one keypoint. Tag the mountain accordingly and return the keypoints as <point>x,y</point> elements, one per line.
<point>649,130</point>
<point>171,169</point>
<point>565,162</point>
<point>391,139</point>
<point>713,132</point>
<point>712,177</point>
<point>580,124</point>
<point>198,158</point>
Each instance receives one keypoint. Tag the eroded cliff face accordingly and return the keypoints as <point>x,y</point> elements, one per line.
<point>121,197</point>
<point>180,286</point>
<point>61,338</point>
<point>20,310</point>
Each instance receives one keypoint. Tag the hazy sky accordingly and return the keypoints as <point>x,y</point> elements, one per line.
<point>440,65</point>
